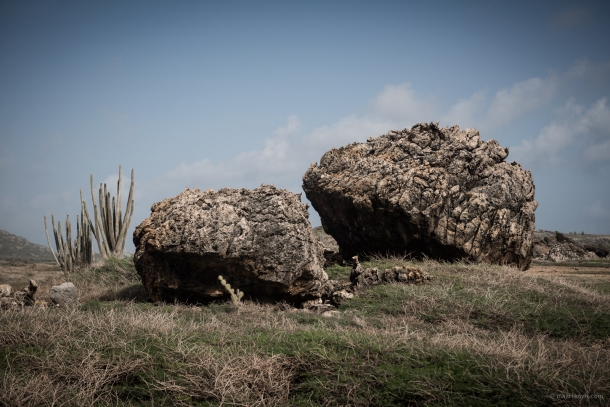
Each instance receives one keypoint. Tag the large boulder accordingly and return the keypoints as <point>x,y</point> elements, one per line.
<point>428,191</point>
<point>259,240</point>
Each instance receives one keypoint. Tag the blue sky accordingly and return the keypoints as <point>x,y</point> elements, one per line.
<point>235,94</point>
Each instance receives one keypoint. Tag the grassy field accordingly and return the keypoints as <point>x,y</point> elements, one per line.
<point>475,336</point>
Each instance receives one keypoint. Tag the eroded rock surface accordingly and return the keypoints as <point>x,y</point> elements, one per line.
<point>64,294</point>
<point>438,192</point>
<point>259,240</point>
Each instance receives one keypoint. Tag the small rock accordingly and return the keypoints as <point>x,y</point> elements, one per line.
<point>64,294</point>
<point>320,308</point>
<point>340,296</point>
<point>5,290</point>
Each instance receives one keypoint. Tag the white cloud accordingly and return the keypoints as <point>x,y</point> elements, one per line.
<point>285,156</point>
<point>466,112</point>
<point>521,98</point>
<point>398,103</point>
<point>598,153</point>
<point>597,211</point>
<point>574,127</point>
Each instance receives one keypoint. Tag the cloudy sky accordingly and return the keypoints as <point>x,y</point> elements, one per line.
<point>211,94</point>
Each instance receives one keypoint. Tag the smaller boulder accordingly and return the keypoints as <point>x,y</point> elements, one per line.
<point>64,294</point>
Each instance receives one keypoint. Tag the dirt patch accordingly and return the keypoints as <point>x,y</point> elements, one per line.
<point>559,269</point>
<point>18,273</point>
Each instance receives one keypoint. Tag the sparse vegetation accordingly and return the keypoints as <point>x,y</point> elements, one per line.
<point>476,335</point>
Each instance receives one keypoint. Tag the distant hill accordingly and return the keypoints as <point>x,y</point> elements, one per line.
<point>18,248</point>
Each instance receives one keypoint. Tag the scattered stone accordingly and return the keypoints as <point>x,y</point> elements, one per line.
<point>5,290</point>
<point>64,294</point>
<point>340,296</point>
<point>12,299</point>
<point>428,191</point>
<point>259,240</point>
<point>337,292</point>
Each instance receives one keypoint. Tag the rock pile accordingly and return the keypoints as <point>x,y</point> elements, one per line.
<point>64,294</point>
<point>427,191</point>
<point>336,292</point>
<point>11,299</point>
<point>259,240</point>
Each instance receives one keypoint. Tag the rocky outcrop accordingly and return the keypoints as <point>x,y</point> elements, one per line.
<point>428,191</point>
<point>558,247</point>
<point>259,240</point>
<point>569,251</point>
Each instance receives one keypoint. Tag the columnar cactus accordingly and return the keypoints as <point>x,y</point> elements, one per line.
<point>110,227</point>
<point>69,256</point>
<point>236,295</point>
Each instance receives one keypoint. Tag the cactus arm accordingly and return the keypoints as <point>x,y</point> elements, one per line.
<point>78,244</point>
<point>59,240</point>
<point>128,215</point>
<point>49,241</point>
<point>95,223</point>
<point>236,295</point>
<point>117,218</point>
<point>69,248</point>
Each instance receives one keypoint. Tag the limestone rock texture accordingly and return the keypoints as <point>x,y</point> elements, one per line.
<point>64,294</point>
<point>426,191</point>
<point>259,240</point>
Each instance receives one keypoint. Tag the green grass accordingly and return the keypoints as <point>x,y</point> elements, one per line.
<point>475,335</point>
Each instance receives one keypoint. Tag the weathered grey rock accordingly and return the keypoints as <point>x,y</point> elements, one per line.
<point>64,294</point>
<point>259,240</point>
<point>332,254</point>
<point>438,192</point>
<point>5,290</point>
<point>341,296</point>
